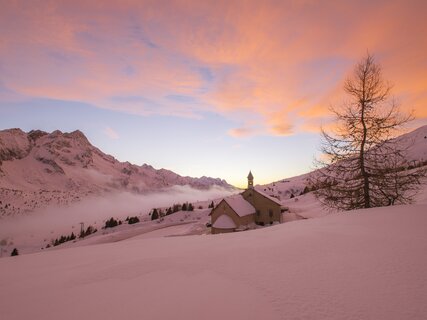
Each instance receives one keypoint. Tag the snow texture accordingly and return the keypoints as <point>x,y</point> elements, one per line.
<point>240,205</point>
<point>367,264</point>
<point>224,222</point>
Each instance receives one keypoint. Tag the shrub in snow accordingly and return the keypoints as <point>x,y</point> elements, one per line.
<point>14,252</point>
<point>63,239</point>
<point>154,214</point>
<point>111,223</point>
<point>133,220</point>
<point>88,231</point>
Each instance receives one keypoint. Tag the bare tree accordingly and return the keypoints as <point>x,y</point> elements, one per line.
<point>362,166</point>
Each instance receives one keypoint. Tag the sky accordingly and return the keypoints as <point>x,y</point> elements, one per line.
<point>213,88</point>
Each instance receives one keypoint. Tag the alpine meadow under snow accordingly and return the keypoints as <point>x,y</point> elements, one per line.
<point>218,160</point>
<point>361,264</point>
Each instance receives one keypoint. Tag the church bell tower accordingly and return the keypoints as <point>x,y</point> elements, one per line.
<point>250,180</point>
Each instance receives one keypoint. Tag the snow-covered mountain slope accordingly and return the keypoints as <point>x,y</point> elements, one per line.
<point>414,142</point>
<point>366,264</point>
<point>38,169</point>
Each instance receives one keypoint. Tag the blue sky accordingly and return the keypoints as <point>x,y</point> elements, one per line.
<point>188,146</point>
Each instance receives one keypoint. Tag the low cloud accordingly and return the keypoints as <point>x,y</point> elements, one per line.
<point>53,221</point>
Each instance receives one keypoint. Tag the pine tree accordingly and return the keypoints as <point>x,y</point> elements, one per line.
<point>133,220</point>
<point>154,214</point>
<point>14,252</point>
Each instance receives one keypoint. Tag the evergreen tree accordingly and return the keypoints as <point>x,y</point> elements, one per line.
<point>190,207</point>
<point>111,223</point>
<point>154,214</point>
<point>184,207</point>
<point>133,220</point>
<point>14,252</point>
<point>90,230</point>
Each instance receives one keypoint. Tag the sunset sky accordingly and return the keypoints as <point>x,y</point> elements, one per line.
<point>212,88</point>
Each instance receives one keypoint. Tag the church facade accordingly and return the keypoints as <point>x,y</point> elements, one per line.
<point>240,212</point>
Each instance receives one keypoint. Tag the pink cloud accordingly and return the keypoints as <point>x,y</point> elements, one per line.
<point>111,133</point>
<point>280,63</point>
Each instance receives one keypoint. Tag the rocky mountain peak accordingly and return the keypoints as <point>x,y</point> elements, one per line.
<point>34,135</point>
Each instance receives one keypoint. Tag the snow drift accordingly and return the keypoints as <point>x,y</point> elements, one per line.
<point>367,264</point>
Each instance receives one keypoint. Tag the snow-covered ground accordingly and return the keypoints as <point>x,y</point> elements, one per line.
<point>366,264</point>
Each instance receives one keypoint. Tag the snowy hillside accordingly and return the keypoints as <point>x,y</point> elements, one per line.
<point>367,264</point>
<point>39,169</point>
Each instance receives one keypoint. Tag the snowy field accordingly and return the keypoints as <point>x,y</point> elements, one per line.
<point>366,264</point>
<point>363,264</point>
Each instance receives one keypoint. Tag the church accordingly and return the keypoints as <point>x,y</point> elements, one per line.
<point>241,211</point>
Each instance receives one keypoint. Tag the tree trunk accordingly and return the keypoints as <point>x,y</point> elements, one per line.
<point>365,174</point>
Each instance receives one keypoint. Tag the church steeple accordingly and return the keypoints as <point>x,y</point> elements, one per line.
<point>250,180</point>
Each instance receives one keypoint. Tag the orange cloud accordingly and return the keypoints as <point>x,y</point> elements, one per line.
<point>274,66</point>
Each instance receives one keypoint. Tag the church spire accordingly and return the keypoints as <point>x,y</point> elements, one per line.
<point>250,180</point>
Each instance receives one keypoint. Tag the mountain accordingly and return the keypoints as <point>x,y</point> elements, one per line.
<point>39,168</point>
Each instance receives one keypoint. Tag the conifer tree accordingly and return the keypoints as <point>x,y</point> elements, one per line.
<point>154,214</point>
<point>364,167</point>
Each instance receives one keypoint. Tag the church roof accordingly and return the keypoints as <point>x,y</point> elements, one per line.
<point>224,222</point>
<point>250,176</point>
<point>269,197</point>
<point>240,205</point>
